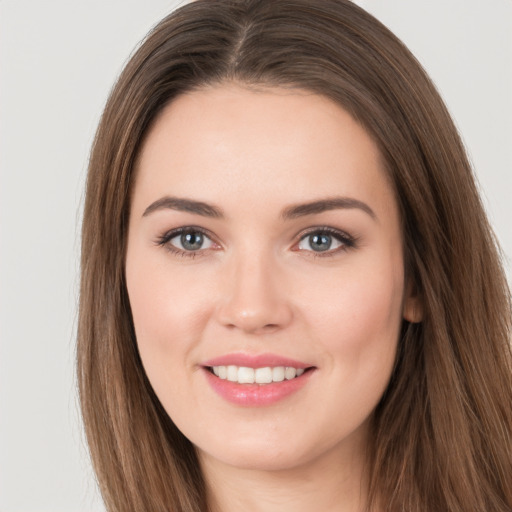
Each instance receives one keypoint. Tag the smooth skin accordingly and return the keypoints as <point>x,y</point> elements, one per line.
<point>325,287</point>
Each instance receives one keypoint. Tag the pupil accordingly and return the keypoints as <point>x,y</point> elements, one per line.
<point>192,241</point>
<point>320,242</point>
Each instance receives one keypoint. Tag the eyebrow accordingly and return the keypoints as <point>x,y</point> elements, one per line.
<point>291,212</point>
<point>184,205</point>
<point>323,205</point>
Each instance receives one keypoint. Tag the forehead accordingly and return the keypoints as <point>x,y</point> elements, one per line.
<point>231,142</point>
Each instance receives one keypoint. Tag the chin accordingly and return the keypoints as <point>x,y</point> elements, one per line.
<point>256,459</point>
<point>283,452</point>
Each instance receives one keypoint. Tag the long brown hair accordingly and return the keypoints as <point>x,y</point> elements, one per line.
<point>442,433</point>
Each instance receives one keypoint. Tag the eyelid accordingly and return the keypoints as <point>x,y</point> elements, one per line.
<point>347,240</point>
<point>164,240</point>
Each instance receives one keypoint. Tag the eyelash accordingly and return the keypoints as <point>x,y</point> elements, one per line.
<point>164,240</point>
<point>347,241</point>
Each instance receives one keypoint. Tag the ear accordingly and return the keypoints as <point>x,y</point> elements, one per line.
<point>413,305</point>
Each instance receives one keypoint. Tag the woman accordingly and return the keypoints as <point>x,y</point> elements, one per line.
<point>291,297</point>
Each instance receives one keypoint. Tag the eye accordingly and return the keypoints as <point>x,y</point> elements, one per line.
<point>186,241</point>
<point>191,240</point>
<point>325,240</point>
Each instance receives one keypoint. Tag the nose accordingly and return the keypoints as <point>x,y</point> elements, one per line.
<point>254,296</point>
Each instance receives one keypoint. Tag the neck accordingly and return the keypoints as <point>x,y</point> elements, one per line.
<point>333,482</point>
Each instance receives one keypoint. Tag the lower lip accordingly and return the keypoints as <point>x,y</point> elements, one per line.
<point>256,395</point>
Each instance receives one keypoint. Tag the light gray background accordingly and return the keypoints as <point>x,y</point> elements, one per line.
<point>58,59</point>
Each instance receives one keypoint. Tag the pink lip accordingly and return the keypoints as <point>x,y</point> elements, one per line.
<point>255,395</point>
<point>254,361</point>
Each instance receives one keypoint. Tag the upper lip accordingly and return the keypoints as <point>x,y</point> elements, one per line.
<point>255,361</point>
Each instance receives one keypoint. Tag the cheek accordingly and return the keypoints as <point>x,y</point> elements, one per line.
<point>168,315</point>
<point>162,300</point>
<point>358,327</point>
<point>358,321</point>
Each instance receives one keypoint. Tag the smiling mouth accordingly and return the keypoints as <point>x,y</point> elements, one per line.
<point>264,375</point>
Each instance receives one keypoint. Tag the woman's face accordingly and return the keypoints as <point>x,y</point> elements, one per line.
<point>265,244</point>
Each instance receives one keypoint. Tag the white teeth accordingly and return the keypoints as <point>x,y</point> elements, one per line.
<point>245,375</point>
<point>278,374</point>
<point>266,375</point>
<point>263,375</point>
<point>222,372</point>
<point>232,373</point>
<point>290,373</point>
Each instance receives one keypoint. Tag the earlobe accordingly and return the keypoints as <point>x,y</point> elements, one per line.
<point>413,305</point>
<point>413,310</point>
